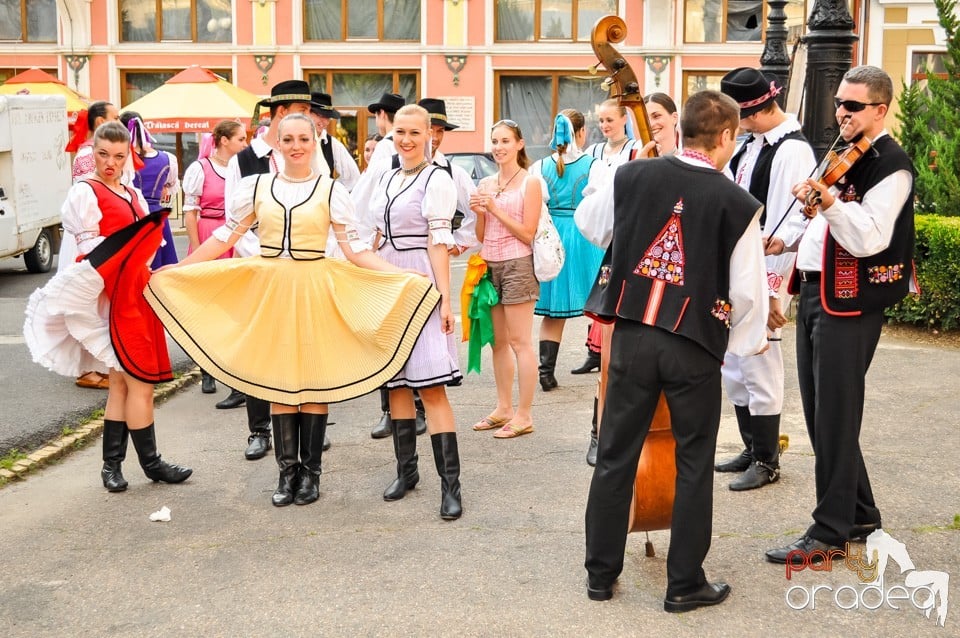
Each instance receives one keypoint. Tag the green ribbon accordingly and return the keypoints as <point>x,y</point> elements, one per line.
<point>483,299</point>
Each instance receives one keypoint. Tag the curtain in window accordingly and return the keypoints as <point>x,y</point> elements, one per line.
<point>42,20</point>
<point>360,88</point>
<point>703,21</point>
<point>139,84</point>
<point>556,17</point>
<point>138,19</point>
<point>214,21</point>
<point>324,19</point>
<point>10,26</point>
<point>583,94</point>
<point>744,20</point>
<point>527,101</point>
<point>515,20</point>
<point>176,20</point>
<point>590,11</point>
<point>362,19</point>
<point>401,19</point>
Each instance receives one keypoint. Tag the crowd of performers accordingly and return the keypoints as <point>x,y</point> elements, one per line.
<point>685,262</point>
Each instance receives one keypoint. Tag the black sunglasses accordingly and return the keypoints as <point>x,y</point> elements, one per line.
<point>852,105</point>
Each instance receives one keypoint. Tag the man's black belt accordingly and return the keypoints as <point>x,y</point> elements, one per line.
<point>809,276</point>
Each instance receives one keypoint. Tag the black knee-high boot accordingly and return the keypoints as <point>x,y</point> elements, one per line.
<point>594,441</point>
<point>115,437</point>
<point>743,460</point>
<point>208,384</point>
<point>156,469</point>
<point>548,364</point>
<point>446,455</point>
<point>405,448</point>
<point>286,446</point>
<point>312,429</point>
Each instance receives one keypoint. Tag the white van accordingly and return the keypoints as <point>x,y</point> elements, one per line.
<point>34,177</point>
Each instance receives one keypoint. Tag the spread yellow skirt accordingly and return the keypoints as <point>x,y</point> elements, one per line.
<point>290,331</point>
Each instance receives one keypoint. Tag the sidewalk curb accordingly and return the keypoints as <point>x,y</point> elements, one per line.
<point>83,434</point>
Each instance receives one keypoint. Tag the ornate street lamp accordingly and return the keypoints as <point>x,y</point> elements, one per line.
<point>774,61</point>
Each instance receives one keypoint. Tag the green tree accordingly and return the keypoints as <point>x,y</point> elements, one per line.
<point>930,120</point>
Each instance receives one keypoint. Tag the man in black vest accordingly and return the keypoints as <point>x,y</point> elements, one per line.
<point>262,156</point>
<point>684,280</point>
<point>770,162</point>
<point>336,159</point>
<point>854,259</point>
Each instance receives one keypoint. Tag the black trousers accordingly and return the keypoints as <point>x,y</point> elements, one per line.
<point>644,362</point>
<point>258,415</point>
<point>833,356</point>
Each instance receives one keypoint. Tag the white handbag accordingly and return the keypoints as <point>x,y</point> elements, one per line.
<point>548,253</point>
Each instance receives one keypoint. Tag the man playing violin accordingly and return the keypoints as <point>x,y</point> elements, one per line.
<point>853,260</point>
<point>774,158</point>
<point>684,282</point>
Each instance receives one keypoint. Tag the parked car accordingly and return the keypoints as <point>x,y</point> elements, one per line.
<point>477,165</point>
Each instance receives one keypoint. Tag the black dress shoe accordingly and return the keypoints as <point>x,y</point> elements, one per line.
<point>258,444</point>
<point>600,593</point>
<point>739,463</point>
<point>799,552</point>
<point>860,531</point>
<point>383,428</point>
<point>234,400</point>
<point>592,363</point>
<point>757,475</point>
<point>709,594</point>
<point>421,422</point>
<point>592,451</point>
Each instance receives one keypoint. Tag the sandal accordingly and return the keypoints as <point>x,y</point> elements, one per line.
<point>489,423</point>
<point>511,431</point>
<point>93,380</point>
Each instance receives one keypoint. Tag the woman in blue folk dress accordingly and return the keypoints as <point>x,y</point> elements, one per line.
<point>566,173</point>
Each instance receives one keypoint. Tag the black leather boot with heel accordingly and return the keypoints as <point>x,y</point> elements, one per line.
<point>405,449</point>
<point>286,447</point>
<point>115,436</point>
<point>743,460</point>
<point>312,429</point>
<point>446,455</point>
<point>548,364</point>
<point>384,426</point>
<point>156,469</point>
<point>594,441</point>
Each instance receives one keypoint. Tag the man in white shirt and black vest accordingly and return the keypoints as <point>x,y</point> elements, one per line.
<point>684,280</point>
<point>337,160</point>
<point>774,158</point>
<point>854,258</point>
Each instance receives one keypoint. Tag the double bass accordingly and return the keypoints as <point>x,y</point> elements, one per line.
<point>654,487</point>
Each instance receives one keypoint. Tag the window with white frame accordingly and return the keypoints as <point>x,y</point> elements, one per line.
<point>339,20</point>
<point>28,20</point>
<point>540,20</point>
<point>182,20</point>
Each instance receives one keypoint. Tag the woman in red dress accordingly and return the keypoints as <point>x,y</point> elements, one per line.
<point>93,316</point>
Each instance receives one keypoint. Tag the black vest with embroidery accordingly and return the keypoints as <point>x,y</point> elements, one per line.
<point>250,164</point>
<point>852,285</point>
<point>675,228</point>
<point>760,179</point>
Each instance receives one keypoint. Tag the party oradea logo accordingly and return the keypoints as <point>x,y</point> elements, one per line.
<point>924,590</point>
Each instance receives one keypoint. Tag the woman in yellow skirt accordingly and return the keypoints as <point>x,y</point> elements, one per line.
<point>289,326</point>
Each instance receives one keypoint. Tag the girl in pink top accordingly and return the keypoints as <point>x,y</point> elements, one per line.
<point>204,182</point>
<point>508,207</point>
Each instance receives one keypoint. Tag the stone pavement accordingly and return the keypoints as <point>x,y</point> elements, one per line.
<point>78,561</point>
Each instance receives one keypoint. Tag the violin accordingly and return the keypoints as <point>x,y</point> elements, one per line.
<point>836,165</point>
<point>622,81</point>
<point>655,484</point>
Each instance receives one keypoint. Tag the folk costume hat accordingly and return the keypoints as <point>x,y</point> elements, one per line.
<point>438,113</point>
<point>389,102</point>
<point>750,88</point>
<point>286,92</point>
<point>322,105</point>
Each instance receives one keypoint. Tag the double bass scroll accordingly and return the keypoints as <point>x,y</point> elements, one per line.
<point>622,81</point>
<point>654,487</point>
